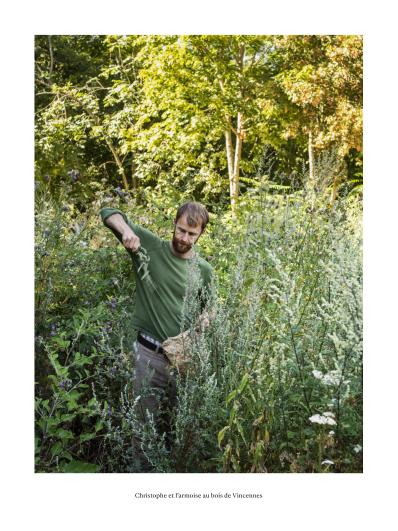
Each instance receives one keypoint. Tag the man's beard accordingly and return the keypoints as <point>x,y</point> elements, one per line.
<point>180,247</point>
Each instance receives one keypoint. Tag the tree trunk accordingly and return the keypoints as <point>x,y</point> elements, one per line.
<point>230,156</point>
<point>311,178</point>
<point>133,175</point>
<point>234,158</point>
<point>51,61</point>
<point>311,158</point>
<point>234,186</point>
<point>121,171</point>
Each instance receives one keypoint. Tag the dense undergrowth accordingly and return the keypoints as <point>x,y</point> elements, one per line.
<point>277,385</point>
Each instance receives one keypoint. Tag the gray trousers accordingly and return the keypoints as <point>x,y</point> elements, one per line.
<point>155,387</point>
<point>154,381</point>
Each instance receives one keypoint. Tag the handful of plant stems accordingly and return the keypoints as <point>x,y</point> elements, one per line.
<point>144,259</point>
<point>178,349</point>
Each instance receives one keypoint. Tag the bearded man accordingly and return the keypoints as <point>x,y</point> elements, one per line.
<point>172,275</point>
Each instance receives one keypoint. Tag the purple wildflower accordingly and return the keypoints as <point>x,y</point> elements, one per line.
<point>119,192</point>
<point>74,175</point>
<point>65,384</point>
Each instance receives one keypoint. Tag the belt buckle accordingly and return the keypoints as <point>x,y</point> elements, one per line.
<point>158,348</point>
<point>155,347</point>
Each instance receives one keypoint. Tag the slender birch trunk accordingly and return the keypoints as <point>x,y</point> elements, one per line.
<point>234,180</point>
<point>230,152</point>
<point>230,158</point>
<point>311,158</point>
<point>233,159</point>
<point>234,156</point>
<point>311,178</point>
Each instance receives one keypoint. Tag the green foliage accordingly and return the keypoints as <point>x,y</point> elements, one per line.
<point>321,75</point>
<point>285,342</point>
<point>154,111</point>
<point>140,123</point>
<point>76,325</point>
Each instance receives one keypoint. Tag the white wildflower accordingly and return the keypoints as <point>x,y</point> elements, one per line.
<point>323,419</point>
<point>357,448</point>
<point>332,378</point>
<point>317,374</point>
<point>317,419</point>
<point>331,433</point>
<point>327,462</point>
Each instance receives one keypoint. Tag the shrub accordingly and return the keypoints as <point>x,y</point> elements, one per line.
<point>277,384</point>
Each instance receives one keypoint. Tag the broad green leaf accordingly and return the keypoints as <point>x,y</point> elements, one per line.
<point>221,434</point>
<point>231,396</point>
<point>99,425</point>
<point>87,436</point>
<point>243,382</point>
<point>240,430</point>
<point>56,449</point>
<point>64,434</point>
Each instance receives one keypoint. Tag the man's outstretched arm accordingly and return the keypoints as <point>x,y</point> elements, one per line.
<point>128,237</point>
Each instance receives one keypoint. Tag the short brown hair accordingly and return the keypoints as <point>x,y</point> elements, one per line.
<point>195,212</point>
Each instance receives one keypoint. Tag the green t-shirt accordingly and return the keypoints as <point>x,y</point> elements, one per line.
<point>162,307</point>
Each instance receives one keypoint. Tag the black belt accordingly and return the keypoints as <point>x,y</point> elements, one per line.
<point>149,344</point>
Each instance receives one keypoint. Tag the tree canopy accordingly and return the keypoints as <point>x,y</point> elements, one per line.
<point>197,112</point>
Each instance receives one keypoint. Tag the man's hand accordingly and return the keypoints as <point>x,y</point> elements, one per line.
<point>204,320</point>
<point>130,240</point>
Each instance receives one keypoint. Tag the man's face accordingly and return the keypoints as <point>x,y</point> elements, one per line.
<point>184,235</point>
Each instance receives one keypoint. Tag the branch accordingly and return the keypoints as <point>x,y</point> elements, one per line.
<point>45,84</point>
<point>43,75</point>
<point>235,132</point>
<point>51,59</point>
<point>120,60</point>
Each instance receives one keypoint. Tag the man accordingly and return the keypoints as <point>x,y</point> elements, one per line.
<point>164,293</point>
